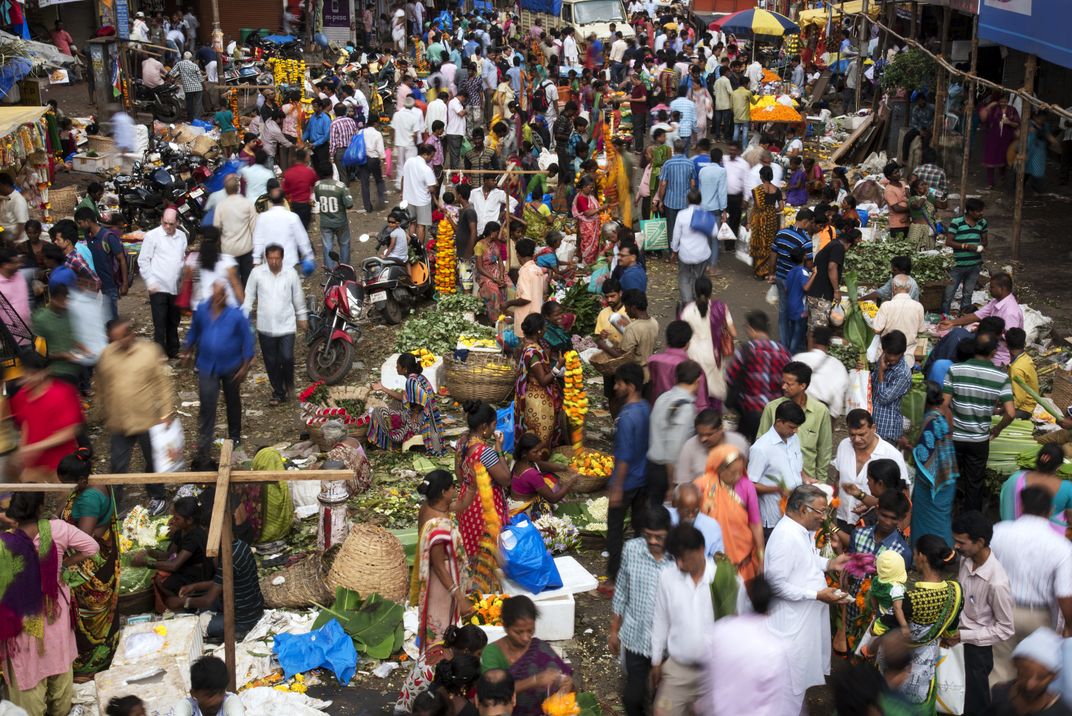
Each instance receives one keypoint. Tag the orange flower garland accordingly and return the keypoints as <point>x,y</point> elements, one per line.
<point>574,398</point>
<point>446,260</point>
<point>561,705</point>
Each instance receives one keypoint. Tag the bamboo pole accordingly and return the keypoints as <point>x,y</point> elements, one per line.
<point>181,478</point>
<point>221,538</point>
<point>1021,158</point>
<point>943,82</point>
<point>969,112</point>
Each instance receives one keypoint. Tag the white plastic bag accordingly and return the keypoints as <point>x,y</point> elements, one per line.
<point>951,680</point>
<point>874,351</point>
<point>744,237</point>
<point>168,444</point>
<point>858,394</point>
<point>725,233</point>
<point>772,295</point>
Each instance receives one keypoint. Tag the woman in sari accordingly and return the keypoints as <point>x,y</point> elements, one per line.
<point>556,332</point>
<point>656,154</point>
<point>92,510</point>
<point>936,472</point>
<point>493,281</point>
<point>482,508</point>
<point>932,607</point>
<point>733,503</point>
<point>419,415</point>
<point>36,638</point>
<point>441,571</point>
<point>1000,122</point>
<point>712,338</point>
<point>1050,458</point>
<point>538,397</point>
<point>586,210</point>
<point>537,484</point>
<point>536,668</point>
<point>765,222</point>
<point>469,639</point>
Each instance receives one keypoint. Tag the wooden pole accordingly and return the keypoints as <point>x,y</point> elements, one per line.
<point>858,66</point>
<point>915,19</point>
<point>1021,158</point>
<point>221,522</point>
<point>181,478</point>
<point>943,82</point>
<point>969,113</point>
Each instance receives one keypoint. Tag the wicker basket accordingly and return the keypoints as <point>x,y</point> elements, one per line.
<point>931,295</point>
<point>371,561</point>
<point>606,364</point>
<point>351,392</point>
<point>488,377</point>
<point>136,603</point>
<point>1061,395</point>
<point>99,144</point>
<point>61,202</point>
<point>306,583</point>
<point>316,434</point>
<point>584,483</point>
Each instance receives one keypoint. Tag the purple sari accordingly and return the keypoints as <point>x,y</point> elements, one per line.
<point>537,658</point>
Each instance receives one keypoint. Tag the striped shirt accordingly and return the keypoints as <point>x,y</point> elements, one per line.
<point>757,370</point>
<point>785,241</point>
<point>634,594</point>
<point>249,604</point>
<point>963,233</point>
<point>342,131</point>
<point>976,386</point>
<point>688,116</point>
<point>677,174</point>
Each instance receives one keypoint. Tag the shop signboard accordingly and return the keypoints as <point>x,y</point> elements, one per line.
<point>1035,27</point>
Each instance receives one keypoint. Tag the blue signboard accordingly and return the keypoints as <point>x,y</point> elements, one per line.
<point>1037,27</point>
<point>122,19</point>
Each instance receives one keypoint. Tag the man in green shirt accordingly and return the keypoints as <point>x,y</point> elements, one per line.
<point>967,236</point>
<point>94,194</point>
<point>53,323</point>
<point>333,198</point>
<point>816,434</point>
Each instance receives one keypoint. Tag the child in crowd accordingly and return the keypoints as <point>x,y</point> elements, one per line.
<point>435,139</point>
<point>125,706</point>
<point>398,246</point>
<point>795,304</point>
<point>228,136</point>
<point>848,209</point>
<point>208,691</point>
<point>887,593</point>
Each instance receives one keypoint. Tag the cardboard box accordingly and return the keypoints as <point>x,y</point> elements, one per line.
<point>140,644</point>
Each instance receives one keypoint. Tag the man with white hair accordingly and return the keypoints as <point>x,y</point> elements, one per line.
<point>901,313</point>
<point>765,160</point>
<point>192,86</point>
<point>160,261</point>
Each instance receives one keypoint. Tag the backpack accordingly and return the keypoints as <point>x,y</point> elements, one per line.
<point>540,102</point>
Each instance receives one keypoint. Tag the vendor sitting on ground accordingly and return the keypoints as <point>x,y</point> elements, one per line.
<point>419,415</point>
<point>537,484</point>
<point>183,561</point>
<point>207,595</point>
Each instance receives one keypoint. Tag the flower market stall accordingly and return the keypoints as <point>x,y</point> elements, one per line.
<point>24,153</point>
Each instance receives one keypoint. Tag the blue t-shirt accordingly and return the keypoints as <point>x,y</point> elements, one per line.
<point>938,370</point>
<point>634,277</point>
<point>631,442</point>
<point>794,291</point>
<point>106,247</point>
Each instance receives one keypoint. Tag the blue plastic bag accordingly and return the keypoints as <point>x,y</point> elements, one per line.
<point>504,423</point>
<point>207,126</point>
<point>355,154</point>
<point>524,557</point>
<point>328,646</point>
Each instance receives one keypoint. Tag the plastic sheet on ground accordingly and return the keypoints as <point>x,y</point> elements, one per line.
<point>328,646</point>
<point>266,700</point>
<point>1036,324</point>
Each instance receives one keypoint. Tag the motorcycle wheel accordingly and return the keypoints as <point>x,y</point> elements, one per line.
<point>391,312</point>
<point>329,362</point>
<point>169,111</point>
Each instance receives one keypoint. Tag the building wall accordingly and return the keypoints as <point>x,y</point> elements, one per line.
<point>237,14</point>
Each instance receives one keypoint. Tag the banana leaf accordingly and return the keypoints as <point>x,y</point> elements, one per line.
<point>724,588</point>
<point>1028,460</point>
<point>913,405</point>
<point>374,624</point>
<point>588,704</point>
<point>855,330</point>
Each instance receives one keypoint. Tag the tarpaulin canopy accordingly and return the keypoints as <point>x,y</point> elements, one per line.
<point>40,53</point>
<point>11,118</point>
<point>818,15</point>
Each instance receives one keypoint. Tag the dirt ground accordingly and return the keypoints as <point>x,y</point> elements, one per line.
<point>1042,281</point>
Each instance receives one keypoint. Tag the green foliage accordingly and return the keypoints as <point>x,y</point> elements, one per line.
<point>438,329</point>
<point>856,330</point>
<point>909,70</point>
<point>588,704</point>
<point>913,405</point>
<point>584,306</point>
<point>870,262</point>
<point>374,624</point>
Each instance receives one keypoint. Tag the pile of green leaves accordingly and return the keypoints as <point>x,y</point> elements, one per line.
<point>374,624</point>
<point>846,353</point>
<point>438,328</point>
<point>584,306</point>
<point>913,405</point>
<point>1028,460</point>
<point>870,261</point>
<point>909,70</point>
<point>1006,449</point>
<point>133,579</point>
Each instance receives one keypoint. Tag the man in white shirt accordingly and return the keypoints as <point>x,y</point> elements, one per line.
<point>800,615</point>
<point>1038,562</point>
<point>454,131</point>
<point>235,216</point>
<point>683,617</point>
<point>372,169</point>
<point>723,96</point>
<point>489,202</point>
<point>570,55</point>
<point>280,225</point>
<point>152,72</point>
<point>436,111</point>
<point>829,378</point>
<point>257,175</point>
<point>418,184</point>
<point>406,126</point>
<point>617,53</point>
<point>903,314</point>
<point>691,249</point>
<point>766,160</point>
<point>276,291</point>
<point>738,183</point>
<point>449,71</point>
<point>14,211</point>
<point>776,463</point>
<point>754,73</point>
<point>139,31</point>
<point>853,457</point>
<point>160,262</point>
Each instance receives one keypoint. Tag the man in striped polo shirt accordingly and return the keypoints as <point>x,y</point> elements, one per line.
<point>972,389</point>
<point>967,236</point>
<point>797,236</point>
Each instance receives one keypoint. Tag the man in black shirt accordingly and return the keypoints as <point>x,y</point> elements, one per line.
<point>562,130</point>
<point>249,603</point>
<point>824,287</point>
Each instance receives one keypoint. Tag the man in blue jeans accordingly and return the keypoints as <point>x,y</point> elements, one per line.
<point>223,339</point>
<point>967,236</point>
<point>797,236</point>
<point>109,258</point>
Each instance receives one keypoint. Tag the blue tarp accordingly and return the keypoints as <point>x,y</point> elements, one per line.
<point>13,70</point>
<point>281,39</point>
<point>551,7</point>
<point>328,646</point>
<point>1037,27</point>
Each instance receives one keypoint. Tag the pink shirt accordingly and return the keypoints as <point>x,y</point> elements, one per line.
<point>531,284</point>
<point>1008,310</point>
<point>29,662</point>
<point>17,294</point>
<point>661,367</point>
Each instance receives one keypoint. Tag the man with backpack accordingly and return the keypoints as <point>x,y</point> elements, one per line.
<point>545,101</point>
<point>109,257</point>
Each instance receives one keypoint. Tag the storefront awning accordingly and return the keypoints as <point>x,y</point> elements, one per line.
<point>818,16</point>
<point>11,118</point>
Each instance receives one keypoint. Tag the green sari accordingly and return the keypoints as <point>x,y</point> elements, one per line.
<point>934,609</point>
<point>660,154</point>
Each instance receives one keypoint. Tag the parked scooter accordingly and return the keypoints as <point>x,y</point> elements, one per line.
<point>162,101</point>
<point>394,286</point>
<point>334,325</point>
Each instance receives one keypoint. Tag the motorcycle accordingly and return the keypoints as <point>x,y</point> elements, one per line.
<point>394,286</point>
<point>334,325</point>
<point>143,196</point>
<point>162,101</point>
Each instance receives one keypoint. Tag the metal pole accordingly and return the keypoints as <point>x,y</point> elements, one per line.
<point>1021,158</point>
<point>969,112</point>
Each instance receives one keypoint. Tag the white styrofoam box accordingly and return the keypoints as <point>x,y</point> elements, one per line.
<point>159,682</point>
<point>390,379</point>
<point>88,164</point>
<point>575,579</point>
<point>139,644</point>
<point>494,633</point>
<point>556,618</point>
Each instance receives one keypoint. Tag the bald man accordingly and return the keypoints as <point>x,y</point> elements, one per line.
<point>160,261</point>
<point>686,509</point>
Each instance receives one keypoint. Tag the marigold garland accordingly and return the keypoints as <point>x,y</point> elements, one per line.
<point>492,526</point>
<point>561,705</point>
<point>574,398</point>
<point>446,259</point>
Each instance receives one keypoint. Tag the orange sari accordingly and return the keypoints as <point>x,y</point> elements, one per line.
<point>721,502</point>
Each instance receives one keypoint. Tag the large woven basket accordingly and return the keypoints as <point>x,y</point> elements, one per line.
<point>489,377</point>
<point>61,202</point>
<point>606,364</point>
<point>1061,395</point>
<point>371,561</point>
<point>931,295</point>
<point>337,393</point>
<point>584,483</point>
<point>305,583</point>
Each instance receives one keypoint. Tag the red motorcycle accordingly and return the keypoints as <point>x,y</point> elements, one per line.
<point>334,326</point>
